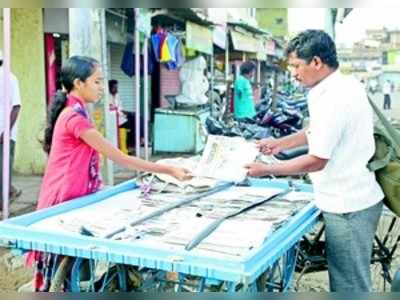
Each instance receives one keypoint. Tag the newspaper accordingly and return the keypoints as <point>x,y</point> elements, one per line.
<point>224,158</point>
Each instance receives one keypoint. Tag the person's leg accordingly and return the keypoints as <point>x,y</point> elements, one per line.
<point>14,192</point>
<point>389,102</point>
<point>349,240</point>
<point>384,101</point>
<point>12,151</point>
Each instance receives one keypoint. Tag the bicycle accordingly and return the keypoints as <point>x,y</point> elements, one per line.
<point>385,258</point>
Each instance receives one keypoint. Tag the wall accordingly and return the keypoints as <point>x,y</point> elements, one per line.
<point>27,59</point>
<point>274,20</point>
<point>393,57</point>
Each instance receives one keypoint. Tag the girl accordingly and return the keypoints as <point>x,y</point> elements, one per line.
<point>73,145</point>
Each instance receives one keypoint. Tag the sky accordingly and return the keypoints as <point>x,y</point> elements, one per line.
<point>354,26</point>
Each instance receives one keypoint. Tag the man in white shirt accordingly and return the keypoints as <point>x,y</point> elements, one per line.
<point>15,107</point>
<point>340,141</point>
<point>387,90</point>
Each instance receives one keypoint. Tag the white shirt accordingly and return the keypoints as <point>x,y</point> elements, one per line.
<point>387,88</point>
<point>341,130</point>
<point>15,100</point>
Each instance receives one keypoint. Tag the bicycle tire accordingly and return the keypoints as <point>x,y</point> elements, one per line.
<point>385,257</point>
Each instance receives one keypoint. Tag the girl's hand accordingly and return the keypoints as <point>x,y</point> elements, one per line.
<point>180,173</point>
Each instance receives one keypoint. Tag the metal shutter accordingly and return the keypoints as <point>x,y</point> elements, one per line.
<point>126,84</point>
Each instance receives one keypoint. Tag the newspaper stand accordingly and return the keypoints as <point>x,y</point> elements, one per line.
<point>269,267</point>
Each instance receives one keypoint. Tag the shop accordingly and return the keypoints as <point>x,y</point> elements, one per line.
<point>181,103</point>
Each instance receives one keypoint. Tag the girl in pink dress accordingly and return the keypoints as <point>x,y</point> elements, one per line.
<point>73,146</point>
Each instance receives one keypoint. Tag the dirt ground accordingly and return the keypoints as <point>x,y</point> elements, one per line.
<point>13,274</point>
<point>12,279</point>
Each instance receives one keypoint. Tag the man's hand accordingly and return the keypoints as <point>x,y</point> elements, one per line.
<point>269,146</point>
<point>256,169</point>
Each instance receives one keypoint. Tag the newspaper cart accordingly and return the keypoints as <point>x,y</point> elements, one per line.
<point>267,267</point>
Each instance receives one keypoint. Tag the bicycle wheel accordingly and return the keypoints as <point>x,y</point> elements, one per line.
<point>385,253</point>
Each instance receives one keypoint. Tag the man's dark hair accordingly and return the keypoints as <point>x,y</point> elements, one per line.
<point>311,43</point>
<point>111,83</point>
<point>1,63</point>
<point>247,67</point>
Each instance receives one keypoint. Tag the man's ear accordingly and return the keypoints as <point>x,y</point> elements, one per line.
<point>317,62</point>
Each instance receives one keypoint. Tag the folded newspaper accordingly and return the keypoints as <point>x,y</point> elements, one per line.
<point>224,158</point>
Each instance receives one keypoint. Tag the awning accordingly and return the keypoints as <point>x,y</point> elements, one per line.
<point>244,42</point>
<point>249,28</point>
<point>219,36</point>
<point>248,38</point>
<point>191,14</point>
<point>199,38</point>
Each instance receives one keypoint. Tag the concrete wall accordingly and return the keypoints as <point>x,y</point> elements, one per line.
<point>274,20</point>
<point>28,65</point>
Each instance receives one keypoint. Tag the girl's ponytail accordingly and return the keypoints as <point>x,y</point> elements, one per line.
<point>55,109</point>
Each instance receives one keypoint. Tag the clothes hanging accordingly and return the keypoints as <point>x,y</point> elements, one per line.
<point>167,48</point>
<point>128,62</point>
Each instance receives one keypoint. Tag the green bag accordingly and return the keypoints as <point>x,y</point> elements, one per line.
<point>386,161</point>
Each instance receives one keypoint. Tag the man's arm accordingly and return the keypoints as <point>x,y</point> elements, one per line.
<point>13,118</point>
<point>274,146</point>
<point>14,115</point>
<point>299,165</point>
<point>295,140</point>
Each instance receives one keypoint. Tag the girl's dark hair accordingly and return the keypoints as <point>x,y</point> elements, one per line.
<point>76,67</point>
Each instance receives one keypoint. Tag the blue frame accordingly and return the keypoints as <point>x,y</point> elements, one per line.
<point>15,233</point>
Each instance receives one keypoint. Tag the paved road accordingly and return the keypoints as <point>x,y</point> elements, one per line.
<point>394,113</point>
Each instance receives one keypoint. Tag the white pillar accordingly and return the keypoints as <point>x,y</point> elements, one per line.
<point>146,97</point>
<point>7,109</point>
<point>137,84</point>
<point>329,23</point>
<point>87,28</point>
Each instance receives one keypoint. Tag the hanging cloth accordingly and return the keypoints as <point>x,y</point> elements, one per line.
<point>166,54</point>
<point>155,45</point>
<point>178,57</point>
<point>128,61</point>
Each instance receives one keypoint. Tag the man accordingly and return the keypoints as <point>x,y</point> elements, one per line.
<point>340,141</point>
<point>15,108</point>
<point>244,106</point>
<point>119,117</point>
<point>387,90</point>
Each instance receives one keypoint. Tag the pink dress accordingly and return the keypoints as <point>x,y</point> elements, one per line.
<point>72,169</point>
<point>73,166</point>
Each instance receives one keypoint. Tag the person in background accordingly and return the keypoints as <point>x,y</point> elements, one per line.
<point>15,102</point>
<point>341,143</point>
<point>73,146</point>
<point>114,96</point>
<point>387,99</point>
<point>116,111</point>
<point>244,106</point>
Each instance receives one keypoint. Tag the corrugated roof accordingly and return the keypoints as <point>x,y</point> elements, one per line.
<point>190,14</point>
<point>250,28</point>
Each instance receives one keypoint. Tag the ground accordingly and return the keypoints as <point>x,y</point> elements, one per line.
<point>13,274</point>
